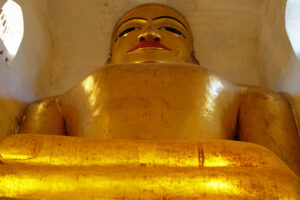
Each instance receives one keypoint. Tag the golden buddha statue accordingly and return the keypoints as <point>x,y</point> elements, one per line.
<point>162,127</point>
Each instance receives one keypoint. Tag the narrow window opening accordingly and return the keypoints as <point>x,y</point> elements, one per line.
<point>292,20</point>
<point>11,29</point>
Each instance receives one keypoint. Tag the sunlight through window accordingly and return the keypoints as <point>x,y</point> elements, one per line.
<point>293,24</point>
<point>11,27</point>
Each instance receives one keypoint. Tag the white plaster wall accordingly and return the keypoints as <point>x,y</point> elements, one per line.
<point>27,78</point>
<point>279,67</point>
<point>225,34</point>
<point>274,48</point>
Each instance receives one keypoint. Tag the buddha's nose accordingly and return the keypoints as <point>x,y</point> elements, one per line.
<point>149,33</point>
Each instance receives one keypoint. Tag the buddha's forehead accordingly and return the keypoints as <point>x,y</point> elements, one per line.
<point>152,11</point>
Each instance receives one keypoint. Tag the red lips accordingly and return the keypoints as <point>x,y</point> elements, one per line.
<point>149,43</point>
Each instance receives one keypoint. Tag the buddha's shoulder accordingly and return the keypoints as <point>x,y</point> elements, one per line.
<point>151,76</point>
<point>261,94</point>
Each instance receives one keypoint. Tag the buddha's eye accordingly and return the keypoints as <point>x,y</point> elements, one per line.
<point>172,30</point>
<point>127,31</point>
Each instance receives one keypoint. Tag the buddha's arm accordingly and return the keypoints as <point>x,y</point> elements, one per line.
<point>266,118</point>
<point>43,117</point>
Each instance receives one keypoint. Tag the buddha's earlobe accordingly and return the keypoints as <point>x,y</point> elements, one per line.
<point>195,60</point>
<point>108,61</point>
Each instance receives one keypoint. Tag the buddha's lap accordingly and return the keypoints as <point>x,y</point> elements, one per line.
<point>140,169</point>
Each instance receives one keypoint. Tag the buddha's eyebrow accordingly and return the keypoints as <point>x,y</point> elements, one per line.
<point>170,17</point>
<point>127,21</point>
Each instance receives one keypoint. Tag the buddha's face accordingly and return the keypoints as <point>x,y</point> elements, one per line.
<point>152,33</point>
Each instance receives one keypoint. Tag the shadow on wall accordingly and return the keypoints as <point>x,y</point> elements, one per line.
<point>37,49</point>
<point>10,110</point>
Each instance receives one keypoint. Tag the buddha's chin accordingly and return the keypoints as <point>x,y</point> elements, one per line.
<point>151,61</point>
<point>150,56</point>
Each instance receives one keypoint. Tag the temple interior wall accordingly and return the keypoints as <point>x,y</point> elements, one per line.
<point>27,77</point>
<point>64,40</point>
<point>279,67</point>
